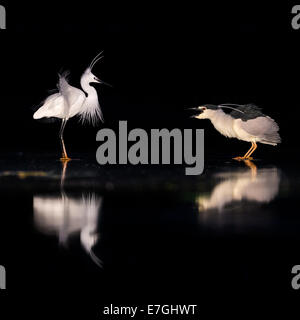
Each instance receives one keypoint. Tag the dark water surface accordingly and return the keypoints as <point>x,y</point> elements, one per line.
<point>95,235</point>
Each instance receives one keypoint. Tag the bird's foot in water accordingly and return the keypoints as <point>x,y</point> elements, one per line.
<point>242,158</point>
<point>64,158</point>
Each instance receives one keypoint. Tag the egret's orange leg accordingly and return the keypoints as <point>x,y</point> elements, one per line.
<point>61,132</point>
<point>63,173</point>
<point>246,154</point>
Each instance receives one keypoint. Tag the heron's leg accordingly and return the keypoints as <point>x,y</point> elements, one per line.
<point>246,154</point>
<point>61,133</point>
<point>252,166</point>
<point>253,149</point>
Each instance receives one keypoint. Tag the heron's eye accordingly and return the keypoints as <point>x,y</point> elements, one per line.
<point>203,108</point>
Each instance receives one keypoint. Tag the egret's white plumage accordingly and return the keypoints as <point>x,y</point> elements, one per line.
<point>65,215</point>
<point>70,101</point>
<point>246,123</point>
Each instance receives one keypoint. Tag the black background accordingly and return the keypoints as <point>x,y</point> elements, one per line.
<point>160,60</point>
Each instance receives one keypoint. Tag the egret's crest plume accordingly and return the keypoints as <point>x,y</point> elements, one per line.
<point>70,101</point>
<point>98,57</point>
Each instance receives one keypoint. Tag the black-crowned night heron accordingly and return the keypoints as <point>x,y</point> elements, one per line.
<point>244,122</point>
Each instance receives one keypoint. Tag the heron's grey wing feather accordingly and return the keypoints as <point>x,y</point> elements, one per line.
<point>247,112</point>
<point>264,128</point>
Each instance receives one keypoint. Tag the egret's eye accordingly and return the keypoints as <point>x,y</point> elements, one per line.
<point>203,108</point>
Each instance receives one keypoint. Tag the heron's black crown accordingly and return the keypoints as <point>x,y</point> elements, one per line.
<point>211,106</point>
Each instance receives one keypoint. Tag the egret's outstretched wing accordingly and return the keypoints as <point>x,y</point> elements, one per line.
<point>263,127</point>
<point>63,104</point>
<point>52,107</point>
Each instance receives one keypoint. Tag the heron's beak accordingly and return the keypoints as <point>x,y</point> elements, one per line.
<point>98,80</point>
<point>199,109</point>
<point>196,111</point>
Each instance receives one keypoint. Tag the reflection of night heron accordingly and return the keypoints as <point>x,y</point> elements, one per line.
<point>254,185</point>
<point>245,122</point>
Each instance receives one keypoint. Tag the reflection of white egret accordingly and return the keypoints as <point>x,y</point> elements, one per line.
<point>64,215</point>
<point>257,185</point>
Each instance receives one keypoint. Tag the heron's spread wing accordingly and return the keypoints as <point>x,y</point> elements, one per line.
<point>259,126</point>
<point>246,112</point>
<point>265,128</point>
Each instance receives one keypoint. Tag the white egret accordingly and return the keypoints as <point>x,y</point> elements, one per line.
<point>65,215</point>
<point>70,101</point>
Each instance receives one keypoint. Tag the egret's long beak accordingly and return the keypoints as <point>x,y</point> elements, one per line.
<point>102,82</point>
<point>105,83</point>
